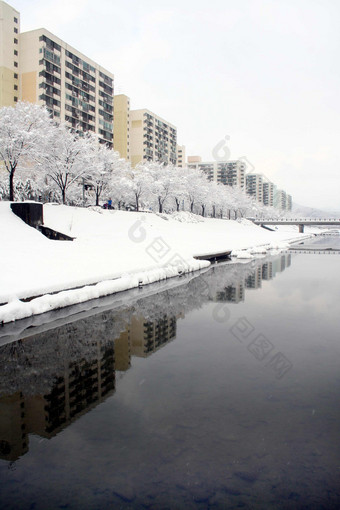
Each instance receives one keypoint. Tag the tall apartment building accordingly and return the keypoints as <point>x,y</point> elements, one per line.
<point>229,173</point>
<point>280,199</point>
<point>121,127</point>
<point>268,193</point>
<point>289,202</point>
<point>140,135</point>
<point>38,67</point>
<point>181,157</point>
<point>74,89</point>
<point>151,138</point>
<point>254,186</point>
<point>9,55</point>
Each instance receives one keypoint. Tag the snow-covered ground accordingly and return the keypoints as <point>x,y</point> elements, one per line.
<point>112,251</point>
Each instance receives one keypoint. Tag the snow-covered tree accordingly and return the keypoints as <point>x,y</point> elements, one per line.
<point>139,184</point>
<point>179,188</point>
<point>104,162</point>
<point>23,131</point>
<point>216,193</point>
<point>120,186</point>
<point>195,182</point>
<point>70,157</point>
<point>163,180</point>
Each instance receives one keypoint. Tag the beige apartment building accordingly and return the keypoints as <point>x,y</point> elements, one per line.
<point>38,67</point>
<point>9,55</point>
<point>75,89</point>
<point>151,138</point>
<point>181,156</point>
<point>121,127</point>
<point>140,135</point>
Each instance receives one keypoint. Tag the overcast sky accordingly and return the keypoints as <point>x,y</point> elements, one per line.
<point>264,73</point>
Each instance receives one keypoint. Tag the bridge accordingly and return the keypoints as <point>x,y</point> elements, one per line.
<point>300,222</point>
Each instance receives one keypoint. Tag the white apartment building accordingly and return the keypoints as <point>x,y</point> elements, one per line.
<point>280,199</point>
<point>254,186</point>
<point>9,55</point>
<point>268,193</point>
<point>229,173</point>
<point>289,202</point>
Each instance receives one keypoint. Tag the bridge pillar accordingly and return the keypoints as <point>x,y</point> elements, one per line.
<point>301,228</point>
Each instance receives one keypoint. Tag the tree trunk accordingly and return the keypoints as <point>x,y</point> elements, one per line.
<point>137,204</point>
<point>203,210</point>
<point>177,204</point>
<point>97,197</point>
<point>11,186</point>
<point>63,191</point>
<point>191,206</point>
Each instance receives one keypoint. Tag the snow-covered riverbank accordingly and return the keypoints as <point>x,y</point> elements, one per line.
<point>112,251</point>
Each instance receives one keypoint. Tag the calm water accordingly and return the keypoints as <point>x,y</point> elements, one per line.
<point>220,391</point>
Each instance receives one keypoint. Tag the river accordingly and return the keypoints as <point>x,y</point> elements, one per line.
<point>214,390</point>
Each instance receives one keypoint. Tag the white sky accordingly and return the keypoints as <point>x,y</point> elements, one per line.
<point>263,72</point>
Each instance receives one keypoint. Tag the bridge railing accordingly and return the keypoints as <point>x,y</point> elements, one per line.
<point>298,220</point>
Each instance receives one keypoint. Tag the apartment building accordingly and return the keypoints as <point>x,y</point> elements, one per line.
<point>75,89</point>
<point>268,193</point>
<point>229,173</point>
<point>9,55</point>
<point>254,186</point>
<point>289,202</point>
<point>121,127</point>
<point>38,67</point>
<point>181,157</point>
<point>151,138</point>
<point>280,199</point>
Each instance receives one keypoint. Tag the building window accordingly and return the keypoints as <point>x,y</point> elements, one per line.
<point>15,41</point>
<point>15,20</point>
<point>15,64</point>
<point>15,87</point>
<point>15,30</point>
<point>16,76</point>
<point>15,99</point>
<point>16,52</point>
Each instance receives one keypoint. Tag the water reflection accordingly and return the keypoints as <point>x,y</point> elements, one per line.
<point>52,376</point>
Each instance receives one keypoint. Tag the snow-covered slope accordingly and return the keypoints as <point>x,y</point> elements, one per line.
<point>113,251</point>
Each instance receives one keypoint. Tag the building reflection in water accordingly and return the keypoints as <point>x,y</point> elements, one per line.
<point>50,379</point>
<point>235,292</point>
